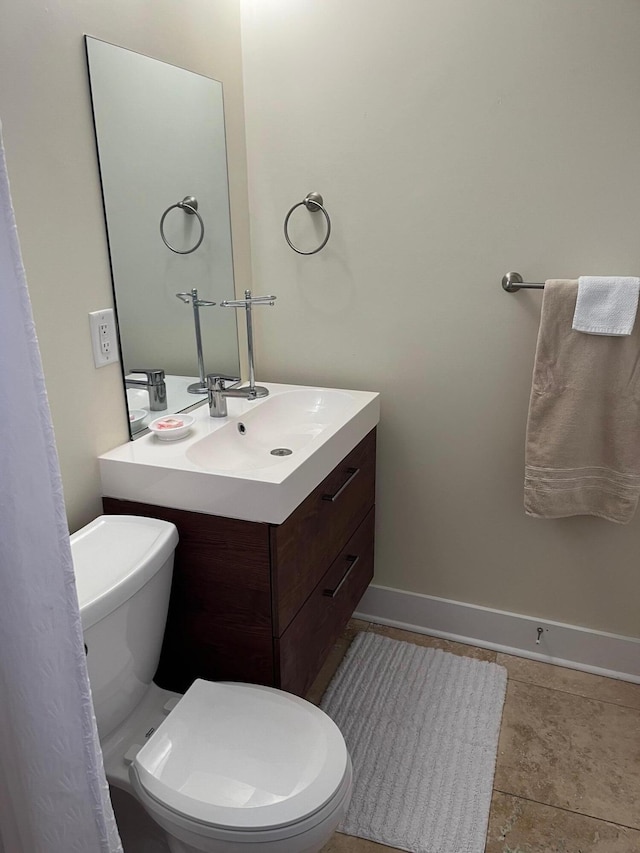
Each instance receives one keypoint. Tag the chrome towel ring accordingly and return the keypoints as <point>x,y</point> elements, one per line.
<point>190,206</point>
<point>313,202</point>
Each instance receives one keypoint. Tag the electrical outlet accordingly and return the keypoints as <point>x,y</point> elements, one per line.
<point>103,337</point>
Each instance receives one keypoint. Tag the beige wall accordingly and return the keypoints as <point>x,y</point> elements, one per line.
<point>50,149</point>
<point>453,140</point>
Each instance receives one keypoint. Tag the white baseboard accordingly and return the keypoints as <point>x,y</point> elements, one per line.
<point>611,655</point>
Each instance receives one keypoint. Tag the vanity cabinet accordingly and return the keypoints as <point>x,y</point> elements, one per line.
<point>264,603</point>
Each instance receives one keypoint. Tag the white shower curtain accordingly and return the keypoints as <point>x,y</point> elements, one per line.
<point>53,793</point>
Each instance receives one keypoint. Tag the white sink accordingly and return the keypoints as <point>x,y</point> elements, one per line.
<point>269,433</point>
<point>227,466</point>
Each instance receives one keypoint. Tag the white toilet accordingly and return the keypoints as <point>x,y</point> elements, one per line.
<point>226,767</point>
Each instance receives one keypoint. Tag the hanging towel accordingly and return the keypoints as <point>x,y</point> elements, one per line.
<point>582,452</point>
<point>606,305</point>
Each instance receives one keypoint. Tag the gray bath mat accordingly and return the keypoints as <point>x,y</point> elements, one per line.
<point>422,728</point>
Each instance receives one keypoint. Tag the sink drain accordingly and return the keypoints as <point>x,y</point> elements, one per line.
<point>281,451</point>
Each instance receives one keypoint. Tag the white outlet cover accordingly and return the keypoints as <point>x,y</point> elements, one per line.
<point>103,337</point>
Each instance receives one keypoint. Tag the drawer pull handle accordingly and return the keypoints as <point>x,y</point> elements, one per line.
<point>351,474</point>
<point>331,593</point>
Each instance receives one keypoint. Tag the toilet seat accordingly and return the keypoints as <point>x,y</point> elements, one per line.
<point>315,829</point>
<point>243,759</point>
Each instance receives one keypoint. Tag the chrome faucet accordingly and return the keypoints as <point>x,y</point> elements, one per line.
<point>247,303</point>
<point>219,391</point>
<point>155,385</point>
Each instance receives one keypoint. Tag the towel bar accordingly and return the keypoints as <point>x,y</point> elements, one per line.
<point>512,282</point>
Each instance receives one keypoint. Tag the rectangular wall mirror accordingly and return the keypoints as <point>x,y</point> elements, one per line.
<point>161,143</point>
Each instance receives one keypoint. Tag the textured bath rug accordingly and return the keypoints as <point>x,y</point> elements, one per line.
<point>422,728</point>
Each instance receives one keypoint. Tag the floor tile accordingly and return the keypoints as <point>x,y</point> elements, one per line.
<point>434,642</point>
<point>567,751</point>
<point>354,627</point>
<point>522,826</point>
<point>572,681</point>
<point>350,844</point>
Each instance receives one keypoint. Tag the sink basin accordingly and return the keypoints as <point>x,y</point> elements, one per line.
<point>257,464</point>
<point>272,432</point>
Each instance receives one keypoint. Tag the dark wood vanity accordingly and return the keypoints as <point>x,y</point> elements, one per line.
<point>264,603</point>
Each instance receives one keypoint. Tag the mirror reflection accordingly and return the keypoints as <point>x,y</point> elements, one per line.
<point>162,154</point>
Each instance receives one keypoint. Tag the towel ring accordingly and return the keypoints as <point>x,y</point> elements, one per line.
<point>313,202</point>
<point>190,206</point>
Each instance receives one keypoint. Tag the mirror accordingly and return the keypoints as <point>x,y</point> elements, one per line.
<point>161,140</point>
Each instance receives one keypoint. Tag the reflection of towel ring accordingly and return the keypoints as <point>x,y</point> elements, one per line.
<point>313,203</point>
<point>190,206</point>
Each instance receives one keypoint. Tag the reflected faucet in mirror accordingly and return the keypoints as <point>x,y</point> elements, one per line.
<point>196,303</point>
<point>155,385</point>
<point>141,107</point>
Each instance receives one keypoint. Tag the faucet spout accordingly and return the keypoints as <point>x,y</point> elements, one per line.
<point>218,392</point>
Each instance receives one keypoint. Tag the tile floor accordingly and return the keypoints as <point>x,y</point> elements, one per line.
<point>568,770</point>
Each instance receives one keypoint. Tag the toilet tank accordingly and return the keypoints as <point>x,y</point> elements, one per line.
<point>123,566</point>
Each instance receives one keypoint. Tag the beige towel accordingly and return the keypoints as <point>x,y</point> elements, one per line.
<point>583,434</point>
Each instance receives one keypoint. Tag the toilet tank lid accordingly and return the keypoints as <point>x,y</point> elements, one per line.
<point>113,557</point>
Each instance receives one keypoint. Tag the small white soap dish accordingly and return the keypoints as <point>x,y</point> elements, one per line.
<point>171,427</point>
<point>136,417</point>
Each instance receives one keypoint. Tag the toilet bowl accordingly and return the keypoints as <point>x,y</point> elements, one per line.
<point>226,767</point>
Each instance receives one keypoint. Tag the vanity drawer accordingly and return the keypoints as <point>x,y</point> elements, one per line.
<point>303,647</point>
<point>312,537</point>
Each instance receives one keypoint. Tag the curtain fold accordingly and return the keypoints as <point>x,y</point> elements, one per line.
<point>53,793</point>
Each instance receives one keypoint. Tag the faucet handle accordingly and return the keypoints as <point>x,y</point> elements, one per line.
<point>217,382</point>
<point>154,376</point>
